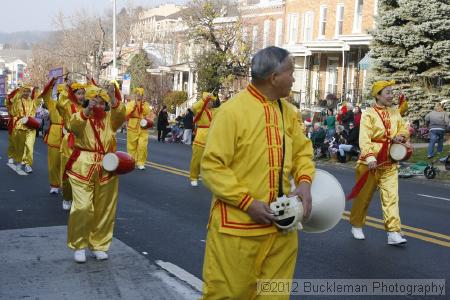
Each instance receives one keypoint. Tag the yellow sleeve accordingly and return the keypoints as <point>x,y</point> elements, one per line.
<point>130,108</point>
<point>197,106</point>
<point>365,138</point>
<point>302,152</point>
<point>218,155</point>
<point>78,123</point>
<point>118,115</point>
<point>403,130</point>
<point>403,109</point>
<point>147,112</point>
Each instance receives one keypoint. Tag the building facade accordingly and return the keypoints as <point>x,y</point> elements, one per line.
<point>328,40</point>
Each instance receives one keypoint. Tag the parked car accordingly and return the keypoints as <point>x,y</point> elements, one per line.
<point>4,117</point>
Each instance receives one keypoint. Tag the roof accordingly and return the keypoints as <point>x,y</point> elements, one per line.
<point>10,55</point>
<point>365,62</point>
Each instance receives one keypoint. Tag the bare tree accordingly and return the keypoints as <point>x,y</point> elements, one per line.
<point>224,55</point>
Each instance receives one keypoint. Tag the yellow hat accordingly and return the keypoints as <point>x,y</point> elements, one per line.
<point>93,91</point>
<point>138,91</point>
<point>77,86</point>
<point>25,87</point>
<point>380,85</point>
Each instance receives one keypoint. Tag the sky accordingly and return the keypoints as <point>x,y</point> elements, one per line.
<point>24,15</point>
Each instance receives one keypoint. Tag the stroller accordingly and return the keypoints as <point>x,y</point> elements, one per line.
<point>175,135</point>
<point>431,171</point>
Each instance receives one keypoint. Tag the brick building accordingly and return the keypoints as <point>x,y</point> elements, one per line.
<point>328,40</point>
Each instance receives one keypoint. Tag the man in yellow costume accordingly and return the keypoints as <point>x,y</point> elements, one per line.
<point>70,100</point>
<point>95,191</point>
<point>137,136</point>
<point>380,126</point>
<point>242,164</point>
<point>53,138</point>
<point>203,112</point>
<point>25,105</point>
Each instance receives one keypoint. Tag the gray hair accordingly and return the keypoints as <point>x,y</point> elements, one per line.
<point>267,61</point>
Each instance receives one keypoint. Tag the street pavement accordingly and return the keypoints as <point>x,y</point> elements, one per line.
<point>162,220</point>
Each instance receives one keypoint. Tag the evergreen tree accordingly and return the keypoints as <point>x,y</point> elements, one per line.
<point>138,69</point>
<point>411,44</point>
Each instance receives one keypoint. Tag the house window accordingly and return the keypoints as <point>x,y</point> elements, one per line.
<point>266,33</point>
<point>279,32</point>
<point>339,19</point>
<point>293,28</point>
<point>350,81</point>
<point>332,76</point>
<point>322,21</point>
<point>254,37</point>
<point>357,20</point>
<point>308,26</point>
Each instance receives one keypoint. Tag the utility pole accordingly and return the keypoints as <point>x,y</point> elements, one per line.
<point>114,70</point>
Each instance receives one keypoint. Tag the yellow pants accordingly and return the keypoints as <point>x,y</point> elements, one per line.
<point>93,213</point>
<point>137,146</point>
<point>65,183</point>
<point>24,145</point>
<point>386,179</point>
<point>54,166</point>
<point>197,153</point>
<point>11,149</point>
<point>233,264</point>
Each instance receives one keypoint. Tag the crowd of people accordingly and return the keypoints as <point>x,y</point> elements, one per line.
<point>337,136</point>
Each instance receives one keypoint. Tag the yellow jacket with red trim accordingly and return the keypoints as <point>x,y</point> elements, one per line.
<point>24,108</point>
<point>203,118</point>
<point>90,159</point>
<point>242,158</point>
<point>135,112</point>
<point>372,131</point>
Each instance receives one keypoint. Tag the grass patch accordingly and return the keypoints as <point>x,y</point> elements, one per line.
<point>420,154</point>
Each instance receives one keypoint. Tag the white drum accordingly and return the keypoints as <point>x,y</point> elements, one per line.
<point>143,123</point>
<point>328,204</point>
<point>400,152</point>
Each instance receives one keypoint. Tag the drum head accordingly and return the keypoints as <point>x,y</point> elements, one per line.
<point>143,123</point>
<point>398,152</point>
<point>328,203</point>
<point>110,162</point>
<point>25,120</point>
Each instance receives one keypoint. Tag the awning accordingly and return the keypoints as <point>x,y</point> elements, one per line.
<point>364,63</point>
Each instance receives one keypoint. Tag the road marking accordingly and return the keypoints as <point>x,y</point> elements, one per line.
<point>168,167</point>
<point>346,215</point>
<point>435,234</point>
<point>181,274</point>
<point>168,170</point>
<point>18,171</point>
<point>407,233</point>
<point>429,196</point>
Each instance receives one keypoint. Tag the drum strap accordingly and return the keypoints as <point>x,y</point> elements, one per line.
<point>97,137</point>
<point>280,176</point>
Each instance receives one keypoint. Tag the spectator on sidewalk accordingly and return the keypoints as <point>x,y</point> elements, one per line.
<point>317,136</point>
<point>351,142</point>
<point>188,123</point>
<point>330,122</point>
<point>357,115</point>
<point>438,121</point>
<point>348,116</point>
<point>163,122</point>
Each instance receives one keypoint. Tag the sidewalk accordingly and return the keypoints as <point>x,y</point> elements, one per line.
<point>36,264</point>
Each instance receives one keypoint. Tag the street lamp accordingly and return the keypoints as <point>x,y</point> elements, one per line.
<point>114,68</point>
